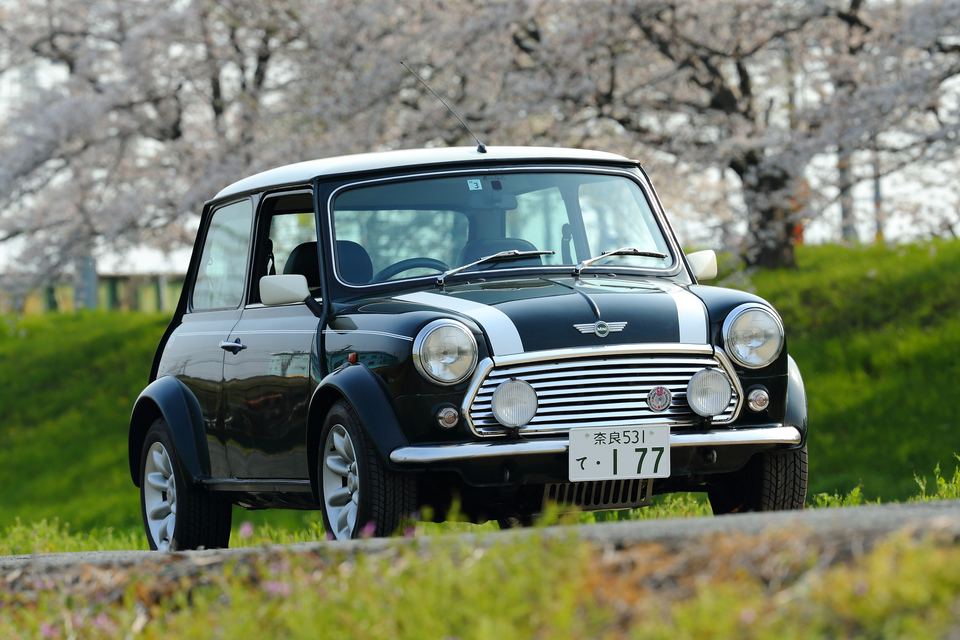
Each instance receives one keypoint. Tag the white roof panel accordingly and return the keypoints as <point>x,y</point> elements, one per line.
<point>304,172</point>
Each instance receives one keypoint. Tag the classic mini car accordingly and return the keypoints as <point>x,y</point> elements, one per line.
<point>502,329</point>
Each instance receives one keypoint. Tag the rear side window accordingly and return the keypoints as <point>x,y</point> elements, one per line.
<point>223,264</point>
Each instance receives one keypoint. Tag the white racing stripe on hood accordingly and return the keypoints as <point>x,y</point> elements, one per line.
<point>691,314</point>
<point>502,333</point>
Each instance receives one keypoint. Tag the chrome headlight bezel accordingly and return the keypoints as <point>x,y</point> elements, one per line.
<point>421,363</point>
<point>728,327</point>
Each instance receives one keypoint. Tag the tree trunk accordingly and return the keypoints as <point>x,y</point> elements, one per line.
<point>771,232</point>
<point>767,192</point>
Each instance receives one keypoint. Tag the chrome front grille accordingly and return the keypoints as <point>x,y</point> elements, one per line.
<point>604,387</point>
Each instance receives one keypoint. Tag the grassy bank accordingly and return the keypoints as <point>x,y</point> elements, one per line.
<point>875,332</point>
<point>772,586</point>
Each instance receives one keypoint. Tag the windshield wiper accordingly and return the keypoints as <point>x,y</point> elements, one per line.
<point>623,251</point>
<point>511,254</point>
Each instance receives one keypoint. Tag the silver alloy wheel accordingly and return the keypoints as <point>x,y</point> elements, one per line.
<point>341,482</point>
<point>160,496</point>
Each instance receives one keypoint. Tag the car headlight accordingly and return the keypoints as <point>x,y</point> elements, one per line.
<point>445,352</point>
<point>753,335</point>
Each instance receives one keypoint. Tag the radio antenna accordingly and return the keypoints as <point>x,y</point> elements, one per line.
<point>480,146</point>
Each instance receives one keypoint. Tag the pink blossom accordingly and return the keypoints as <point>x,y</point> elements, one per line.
<point>246,530</point>
<point>276,588</point>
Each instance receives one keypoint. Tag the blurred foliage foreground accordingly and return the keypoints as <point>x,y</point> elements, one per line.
<point>875,332</point>
<point>779,584</point>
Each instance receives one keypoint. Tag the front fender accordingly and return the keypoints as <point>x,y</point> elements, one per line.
<point>368,395</point>
<point>796,413</point>
<point>170,399</point>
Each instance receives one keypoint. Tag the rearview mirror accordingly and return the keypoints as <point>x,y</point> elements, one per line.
<point>704,264</point>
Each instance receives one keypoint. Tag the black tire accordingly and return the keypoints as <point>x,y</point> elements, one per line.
<point>384,497</point>
<point>200,519</point>
<point>515,522</point>
<point>775,481</point>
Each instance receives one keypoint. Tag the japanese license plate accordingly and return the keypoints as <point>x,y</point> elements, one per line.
<point>614,453</point>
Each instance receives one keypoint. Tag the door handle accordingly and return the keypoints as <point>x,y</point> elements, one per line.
<point>233,347</point>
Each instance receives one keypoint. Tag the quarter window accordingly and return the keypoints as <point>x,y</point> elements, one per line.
<point>223,264</point>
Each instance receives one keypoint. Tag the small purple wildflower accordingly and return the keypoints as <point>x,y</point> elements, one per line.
<point>102,621</point>
<point>368,530</point>
<point>276,588</point>
<point>48,630</point>
<point>246,529</point>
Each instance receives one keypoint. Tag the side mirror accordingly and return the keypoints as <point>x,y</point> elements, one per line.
<point>289,288</point>
<point>704,264</point>
<point>283,289</point>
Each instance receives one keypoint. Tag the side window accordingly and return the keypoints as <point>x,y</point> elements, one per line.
<point>287,241</point>
<point>223,265</point>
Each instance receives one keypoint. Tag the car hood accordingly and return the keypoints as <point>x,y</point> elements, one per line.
<point>534,314</point>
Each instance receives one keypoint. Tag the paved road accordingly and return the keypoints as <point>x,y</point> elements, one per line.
<point>857,526</point>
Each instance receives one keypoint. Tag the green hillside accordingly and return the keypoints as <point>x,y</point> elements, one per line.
<point>876,333</point>
<point>67,386</point>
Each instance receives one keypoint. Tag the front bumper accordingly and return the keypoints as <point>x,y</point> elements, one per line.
<point>476,451</point>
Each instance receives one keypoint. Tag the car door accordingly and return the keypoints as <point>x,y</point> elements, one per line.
<point>194,353</point>
<point>268,380</point>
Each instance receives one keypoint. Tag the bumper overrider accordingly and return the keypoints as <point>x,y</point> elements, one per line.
<point>596,387</point>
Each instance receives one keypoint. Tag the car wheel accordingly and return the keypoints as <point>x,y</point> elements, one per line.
<point>361,496</point>
<point>177,516</point>
<point>775,481</point>
<point>514,522</point>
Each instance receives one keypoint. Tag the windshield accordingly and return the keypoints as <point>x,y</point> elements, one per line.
<point>427,226</point>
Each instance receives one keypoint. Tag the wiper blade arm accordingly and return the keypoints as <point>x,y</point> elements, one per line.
<point>623,251</point>
<point>510,254</point>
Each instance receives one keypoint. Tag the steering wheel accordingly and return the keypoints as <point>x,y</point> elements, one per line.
<point>410,263</point>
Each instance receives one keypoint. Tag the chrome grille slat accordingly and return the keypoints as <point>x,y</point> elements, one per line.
<point>484,404</point>
<point>670,364</point>
<point>599,372</point>
<point>598,390</point>
<point>546,381</point>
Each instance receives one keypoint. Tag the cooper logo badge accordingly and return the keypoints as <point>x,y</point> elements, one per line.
<point>600,328</point>
<point>659,399</point>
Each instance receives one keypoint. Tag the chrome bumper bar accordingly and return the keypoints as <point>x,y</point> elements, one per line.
<point>480,450</point>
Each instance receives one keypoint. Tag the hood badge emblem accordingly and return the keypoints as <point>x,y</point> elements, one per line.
<point>659,399</point>
<point>600,328</point>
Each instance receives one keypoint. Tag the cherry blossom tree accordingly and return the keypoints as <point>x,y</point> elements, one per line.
<point>759,88</point>
<point>731,104</point>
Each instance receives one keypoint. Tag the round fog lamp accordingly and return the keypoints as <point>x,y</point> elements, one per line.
<point>709,392</point>
<point>514,403</point>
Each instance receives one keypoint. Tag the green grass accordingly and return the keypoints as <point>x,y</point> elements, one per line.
<point>67,386</point>
<point>876,334</point>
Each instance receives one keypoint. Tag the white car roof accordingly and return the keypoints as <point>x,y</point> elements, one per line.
<point>303,172</point>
